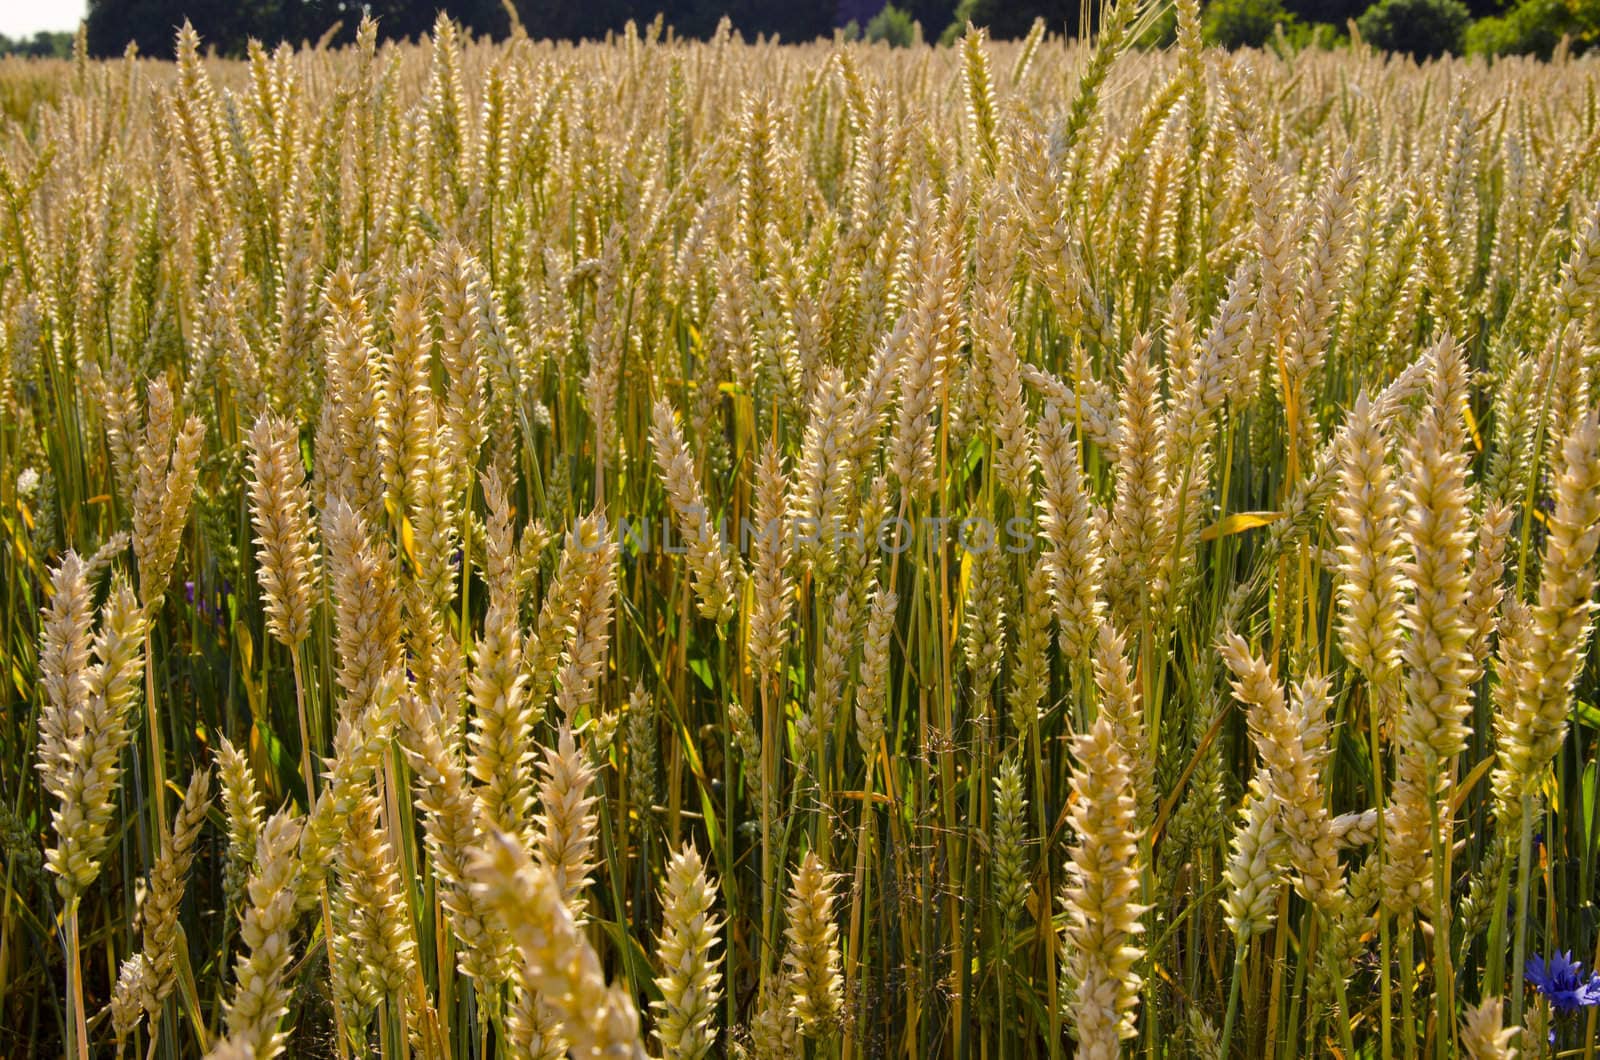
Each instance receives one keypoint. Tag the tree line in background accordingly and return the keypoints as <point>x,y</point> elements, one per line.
<point>42,45</point>
<point>1421,28</point>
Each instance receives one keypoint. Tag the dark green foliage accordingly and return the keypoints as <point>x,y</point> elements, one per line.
<point>1422,29</point>
<point>931,13</point>
<point>1243,23</point>
<point>42,45</point>
<point>1322,35</point>
<point>1535,27</point>
<point>1334,12</point>
<point>797,22</point>
<point>226,25</point>
<point>150,25</point>
<point>892,26</point>
<point>1006,19</point>
<point>407,20</point>
<point>1163,31</point>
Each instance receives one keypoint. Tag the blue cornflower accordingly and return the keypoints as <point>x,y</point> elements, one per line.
<point>1561,979</point>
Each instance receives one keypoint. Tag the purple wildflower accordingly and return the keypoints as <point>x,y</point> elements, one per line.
<point>212,608</point>
<point>1561,979</point>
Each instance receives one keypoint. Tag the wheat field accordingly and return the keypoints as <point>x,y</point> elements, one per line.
<point>679,549</point>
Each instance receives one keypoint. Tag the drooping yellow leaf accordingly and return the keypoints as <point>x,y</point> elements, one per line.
<point>408,541</point>
<point>1472,428</point>
<point>189,993</point>
<point>1465,786</point>
<point>1238,523</point>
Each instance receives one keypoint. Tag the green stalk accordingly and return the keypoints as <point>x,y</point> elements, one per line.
<point>1385,994</point>
<point>75,1000</point>
<point>1494,970</point>
<point>1444,986</point>
<point>732,893</point>
<point>305,732</point>
<point>1308,937</point>
<point>1042,825</point>
<point>1408,1017</point>
<point>769,735</point>
<point>158,773</point>
<point>386,1035</point>
<point>860,898</point>
<point>1520,935</point>
<point>1342,1000</point>
<point>1239,952</point>
<point>1280,949</point>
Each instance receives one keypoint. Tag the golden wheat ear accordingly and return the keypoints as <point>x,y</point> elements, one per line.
<point>815,987</point>
<point>1101,898</point>
<point>690,982</point>
<point>556,962</point>
<point>280,509</point>
<point>262,990</point>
